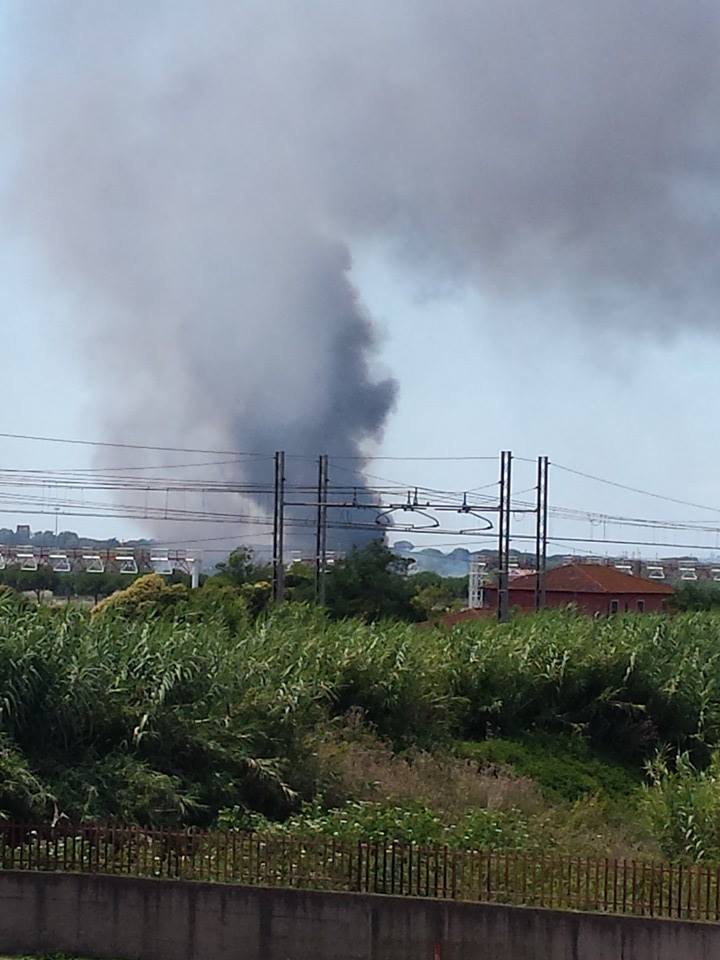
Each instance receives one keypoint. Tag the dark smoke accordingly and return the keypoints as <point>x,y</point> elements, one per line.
<point>196,174</point>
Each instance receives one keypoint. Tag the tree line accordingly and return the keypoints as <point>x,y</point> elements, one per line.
<point>370,582</point>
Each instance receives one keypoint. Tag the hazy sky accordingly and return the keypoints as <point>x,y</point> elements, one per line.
<point>235,226</point>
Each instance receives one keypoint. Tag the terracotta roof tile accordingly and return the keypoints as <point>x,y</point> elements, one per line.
<point>592,578</point>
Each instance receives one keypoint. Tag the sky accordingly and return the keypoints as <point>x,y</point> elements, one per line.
<point>534,270</point>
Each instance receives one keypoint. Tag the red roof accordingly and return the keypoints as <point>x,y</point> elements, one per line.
<point>591,578</point>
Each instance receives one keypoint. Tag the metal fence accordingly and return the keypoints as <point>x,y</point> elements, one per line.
<point>641,888</point>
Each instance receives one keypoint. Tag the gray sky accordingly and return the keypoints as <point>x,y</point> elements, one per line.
<point>234,226</point>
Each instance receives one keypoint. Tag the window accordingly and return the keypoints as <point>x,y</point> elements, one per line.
<point>614,606</point>
<point>641,606</point>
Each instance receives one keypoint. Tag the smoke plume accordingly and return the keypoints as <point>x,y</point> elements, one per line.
<point>198,174</point>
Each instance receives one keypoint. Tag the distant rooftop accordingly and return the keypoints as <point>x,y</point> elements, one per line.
<point>591,578</point>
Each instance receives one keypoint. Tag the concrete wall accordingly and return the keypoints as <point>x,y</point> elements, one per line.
<point>133,919</point>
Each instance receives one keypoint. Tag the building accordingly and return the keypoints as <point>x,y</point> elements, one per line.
<point>593,588</point>
<point>672,570</point>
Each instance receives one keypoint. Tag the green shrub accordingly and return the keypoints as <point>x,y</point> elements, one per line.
<point>563,766</point>
<point>406,823</point>
<point>146,596</point>
<point>355,820</point>
<point>498,830</point>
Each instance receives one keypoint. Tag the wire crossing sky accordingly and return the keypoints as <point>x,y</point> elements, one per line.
<point>402,508</point>
<point>365,228</point>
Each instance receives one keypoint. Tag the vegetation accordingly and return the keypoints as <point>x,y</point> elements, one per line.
<point>79,583</point>
<point>145,597</point>
<point>563,766</point>
<point>371,583</point>
<point>682,807</point>
<point>700,595</point>
<point>170,706</point>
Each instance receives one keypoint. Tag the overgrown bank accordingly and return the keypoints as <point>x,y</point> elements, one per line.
<point>524,735</point>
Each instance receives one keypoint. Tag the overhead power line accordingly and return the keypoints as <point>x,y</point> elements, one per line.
<point>233,453</point>
<point>64,491</point>
<point>95,471</point>
<point>360,458</point>
<point>644,493</point>
<point>129,446</point>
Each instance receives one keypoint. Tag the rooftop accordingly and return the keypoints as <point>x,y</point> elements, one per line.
<point>591,578</point>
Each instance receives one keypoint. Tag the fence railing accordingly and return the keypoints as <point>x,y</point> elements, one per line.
<point>641,888</point>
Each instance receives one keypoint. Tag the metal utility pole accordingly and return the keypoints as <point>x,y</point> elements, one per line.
<point>278,584</point>
<point>321,531</point>
<point>504,513</point>
<point>543,466</point>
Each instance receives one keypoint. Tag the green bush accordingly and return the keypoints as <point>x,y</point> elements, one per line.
<point>485,829</point>
<point>406,823</point>
<point>563,766</point>
<point>145,597</point>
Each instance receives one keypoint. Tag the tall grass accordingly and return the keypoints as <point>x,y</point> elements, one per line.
<point>169,721</point>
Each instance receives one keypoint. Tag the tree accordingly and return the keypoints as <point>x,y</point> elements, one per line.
<point>371,583</point>
<point>300,583</point>
<point>256,596</point>
<point>696,596</point>
<point>456,587</point>
<point>40,580</point>
<point>221,601</point>
<point>240,567</point>
<point>43,579</point>
<point>95,585</point>
<point>434,600</point>
<point>435,595</point>
<point>146,596</point>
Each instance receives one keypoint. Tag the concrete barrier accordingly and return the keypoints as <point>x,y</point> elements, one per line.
<point>132,919</point>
